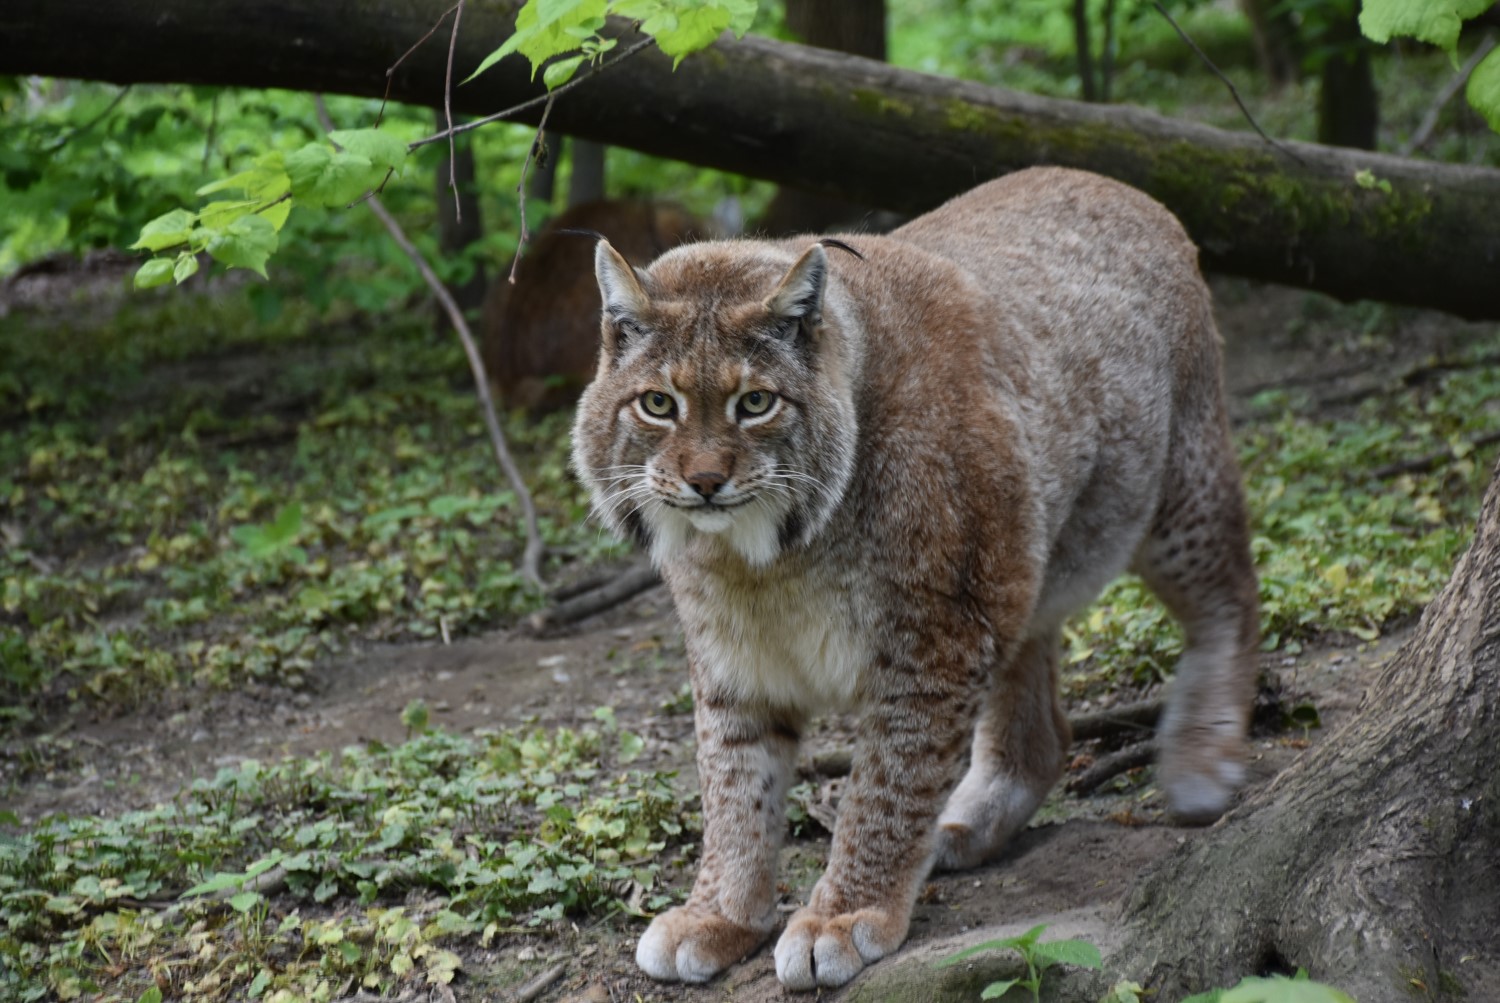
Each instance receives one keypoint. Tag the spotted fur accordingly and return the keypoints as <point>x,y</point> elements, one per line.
<point>880,483</point>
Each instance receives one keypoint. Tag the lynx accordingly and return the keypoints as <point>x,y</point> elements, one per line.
<point>879,481</point>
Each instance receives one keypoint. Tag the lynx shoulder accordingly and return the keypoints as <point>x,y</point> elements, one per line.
<point>879,481</point>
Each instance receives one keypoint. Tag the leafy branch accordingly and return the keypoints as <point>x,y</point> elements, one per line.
<point>1439,23</point>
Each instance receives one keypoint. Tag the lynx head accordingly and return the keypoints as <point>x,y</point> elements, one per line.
<point>721,414</point>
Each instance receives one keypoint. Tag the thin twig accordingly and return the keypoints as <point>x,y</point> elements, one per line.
<point>541,127</point>
<point>85,127</point>
<point>1111,766</point>
<point>458,209</point>
<point>541,983</point>
<point>213,129</point>
<point>1423,133</point>
<point>1227,82</point>
<point>533,102</point>
<point>1132,717</point>
<point>1431,461</point>
<point>623,586</point>
<point>531,560</point>
<point>390,72</point>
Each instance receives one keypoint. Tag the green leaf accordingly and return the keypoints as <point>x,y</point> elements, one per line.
<point>380,148</point>
<point>166,230</point>
<point>321,176</point>
<point>152,995</point>
<point>1280,989</point>
<point>156,272</point>
<point>214,884</point>
<point>1124,991</point>
<point>546,29</point>
<point>558,73</point>
<point>247,243</point>
<point>1483,90</point>
<point>1068,952</point>
<point>997,989</point>
<point>259,983</point>
<point>244,901</point>
<point>1434,21</point>
<point>185,268</point>
<point>1009,943</point>
<point>631,747</point>
<point>415,716</point>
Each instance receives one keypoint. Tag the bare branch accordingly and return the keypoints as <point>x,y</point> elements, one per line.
<point>1108,767</point>
<point>1422,135</point>
<point>1233,92</point>
<point>458,209</point>
<point>534,102</point>
<point>515,262</point>
<point>531,560</point>
<point>390,71</point>
<point>85,127</point>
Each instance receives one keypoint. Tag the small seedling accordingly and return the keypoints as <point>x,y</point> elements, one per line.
<point>1038,956</point>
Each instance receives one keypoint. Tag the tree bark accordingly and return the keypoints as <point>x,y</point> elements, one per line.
<point>1374,861</point>
<point>839,124</point>
<point>1348,105</point>
<point>459,223</point>
<point>856,27</point>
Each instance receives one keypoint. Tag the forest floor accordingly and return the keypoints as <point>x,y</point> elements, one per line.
<point>1071,869</point>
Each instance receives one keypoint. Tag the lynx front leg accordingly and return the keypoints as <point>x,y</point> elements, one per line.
<point>745,763</point>
<point>1020,746</point>
<point>906,760</point>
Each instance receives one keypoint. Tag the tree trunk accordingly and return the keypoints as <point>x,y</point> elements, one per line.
<point>1083,51</point>
<point>1374,861</point>
<point>1348,107</point>
<point>839,124</point>
<point>856,27</point>
<point>542,184</point>
<point>853,26</point>
<point>459,223</point>
<point>1275,40</point>
<point>586,182</point>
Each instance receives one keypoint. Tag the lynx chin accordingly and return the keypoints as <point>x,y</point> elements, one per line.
<point>879,482</point>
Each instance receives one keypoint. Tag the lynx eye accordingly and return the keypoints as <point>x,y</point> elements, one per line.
<point>756,402</point>
<point>658,404</point>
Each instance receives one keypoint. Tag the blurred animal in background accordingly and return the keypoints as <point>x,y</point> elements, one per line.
<point>541,335</point>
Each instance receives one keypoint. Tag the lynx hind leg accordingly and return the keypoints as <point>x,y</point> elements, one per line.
<point>1196,558</point>
<point>1019,750</point>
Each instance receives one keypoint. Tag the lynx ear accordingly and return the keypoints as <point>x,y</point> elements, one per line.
<point>619,287</point>
<point>799,297</point>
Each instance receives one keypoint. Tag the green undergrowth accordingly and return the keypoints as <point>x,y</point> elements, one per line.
<point>190,496</point>
<point>1344,544</point>
<point>376,858</point>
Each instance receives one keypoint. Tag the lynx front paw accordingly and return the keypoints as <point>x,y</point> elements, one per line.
<point>830,950</point>
<point>693,945</point>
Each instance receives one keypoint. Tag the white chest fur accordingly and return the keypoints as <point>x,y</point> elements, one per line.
<point>791,642</point>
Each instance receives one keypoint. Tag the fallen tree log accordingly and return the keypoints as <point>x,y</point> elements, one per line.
<point>1348,223</point>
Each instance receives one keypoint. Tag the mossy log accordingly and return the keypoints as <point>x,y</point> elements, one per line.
<point>1348,223</point>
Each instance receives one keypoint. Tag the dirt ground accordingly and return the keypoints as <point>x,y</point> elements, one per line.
<point>1071,868</point>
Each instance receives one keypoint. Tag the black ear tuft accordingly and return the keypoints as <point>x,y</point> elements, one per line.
<point>840,245</point>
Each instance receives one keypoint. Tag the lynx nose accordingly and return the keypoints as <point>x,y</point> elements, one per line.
<point>706,483</point>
